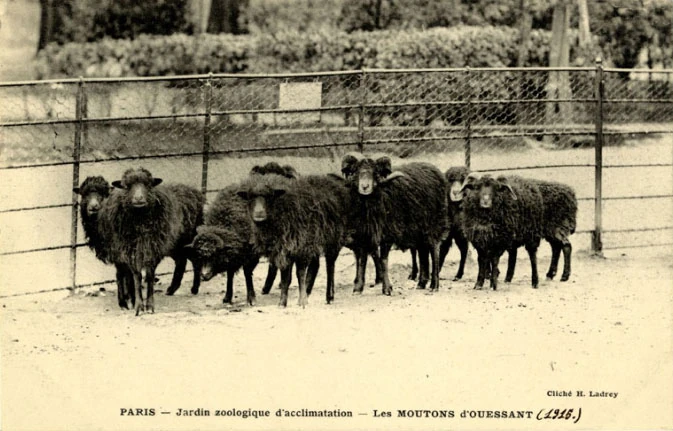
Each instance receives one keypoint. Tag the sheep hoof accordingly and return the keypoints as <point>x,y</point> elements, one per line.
<point>413,276</point>
<point>478,287</point>
<point>357,292</point>
<point>195,290</point>
<point>266,290</point>
<point>565,277</point>
<point>456,278</point>
<point>387,291</point>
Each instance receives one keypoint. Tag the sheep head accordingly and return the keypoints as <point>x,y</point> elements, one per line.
<point>260,192</point>
<point>214,247</point>
<point>455,177</point>
<point>286,171</point>
<point>93,191</point>
<point>367,173</point>
<point>488,188</point>
<point>137,183</point>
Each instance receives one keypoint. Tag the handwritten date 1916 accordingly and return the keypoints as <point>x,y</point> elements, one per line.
<point>560,414</point>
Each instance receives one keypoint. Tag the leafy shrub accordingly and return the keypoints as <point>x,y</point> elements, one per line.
<point>291,51</point>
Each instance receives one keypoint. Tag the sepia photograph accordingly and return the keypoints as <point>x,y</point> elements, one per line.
<point>336,215</point>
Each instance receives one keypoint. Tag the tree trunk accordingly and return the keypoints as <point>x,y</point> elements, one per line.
<point>525,26</point>
<point>199,12</point>
<point>585,31</point>
<point>223,17</point>
<point>46,23</point>
<point>558,85</point>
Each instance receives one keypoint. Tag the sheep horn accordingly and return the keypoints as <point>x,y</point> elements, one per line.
<point>392,176</point>
<point>504,183</point>
<point>469,180</point>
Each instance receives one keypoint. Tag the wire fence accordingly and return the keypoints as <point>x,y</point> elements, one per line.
<point>606,132</point>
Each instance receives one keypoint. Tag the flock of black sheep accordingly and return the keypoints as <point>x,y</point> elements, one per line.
<point>294,219</point>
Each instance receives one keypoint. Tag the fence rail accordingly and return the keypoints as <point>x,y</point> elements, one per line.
<point>507,119</point>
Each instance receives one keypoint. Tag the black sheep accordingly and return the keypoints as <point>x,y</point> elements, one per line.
<point>145,222</point>
<point>290,172</point>
<point>93,192</point>
<point>559,222</point>
<point>406,208</point>
<point>223,244</point>
<point>500,215</point>
<point>294,222</point>
<point>455,177</point>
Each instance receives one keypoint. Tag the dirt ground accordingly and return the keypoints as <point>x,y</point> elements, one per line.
<point>75,361</point>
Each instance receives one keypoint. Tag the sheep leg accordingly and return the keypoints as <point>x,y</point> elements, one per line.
<point>424,264</point>
<point>511,264</point>
<point>196,266</point>
<point>330,261</point>
<point>532,252</point>
<point>270,278</point>
<point>555,255</point>
<point>444,248</point>
<point>361,258</point>
<point>301,275</point>
<point>461,242</point>
<point>434,282</point>
<point>495,272</point>
<point>149,300</point>
<point>387,288</point>
<point>248,268</point>
<point>285,279</point>
<point>229,294</point>
<point>377,268</point>
<point>414,265</point>
<point>567,254</point>
<point>122,290</point>
<point>178,272</point>
<point>138,283</point>
<point>311,274</point>
<point>129,289</point>
<point>483,266</point>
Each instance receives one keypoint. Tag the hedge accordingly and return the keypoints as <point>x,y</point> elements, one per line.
<point>181,54</point>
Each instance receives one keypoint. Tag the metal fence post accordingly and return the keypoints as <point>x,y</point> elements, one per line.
<point>597,241</point>
<point>206,134</point>
<point>361,114</point>
<point>468,119</point>
<point>76,152</point>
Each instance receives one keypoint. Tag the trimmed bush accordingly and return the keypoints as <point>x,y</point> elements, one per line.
<point>290,51</point>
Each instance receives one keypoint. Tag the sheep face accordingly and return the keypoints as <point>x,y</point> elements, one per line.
<point>456,177</point>
<point>366,173</point>
<point>93,191</point>
<point>488,189</point>
<point>211,248</point>
<point>137,183</point>
<point>262,195</point>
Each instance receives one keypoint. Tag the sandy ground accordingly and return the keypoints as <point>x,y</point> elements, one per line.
<point>73,362</point>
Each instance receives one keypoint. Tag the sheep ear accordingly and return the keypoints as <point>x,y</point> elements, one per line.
<point>75,189</point>
<point>383,166</point>
<point>156,182</point>
<point>503,183</point>
<point>468,184</point>
<point>242,194</point>
<point>255,169</point>
<point>348,164</point>
<point>392,176</point>
<point>117,184</point>
<point>290,172</point>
